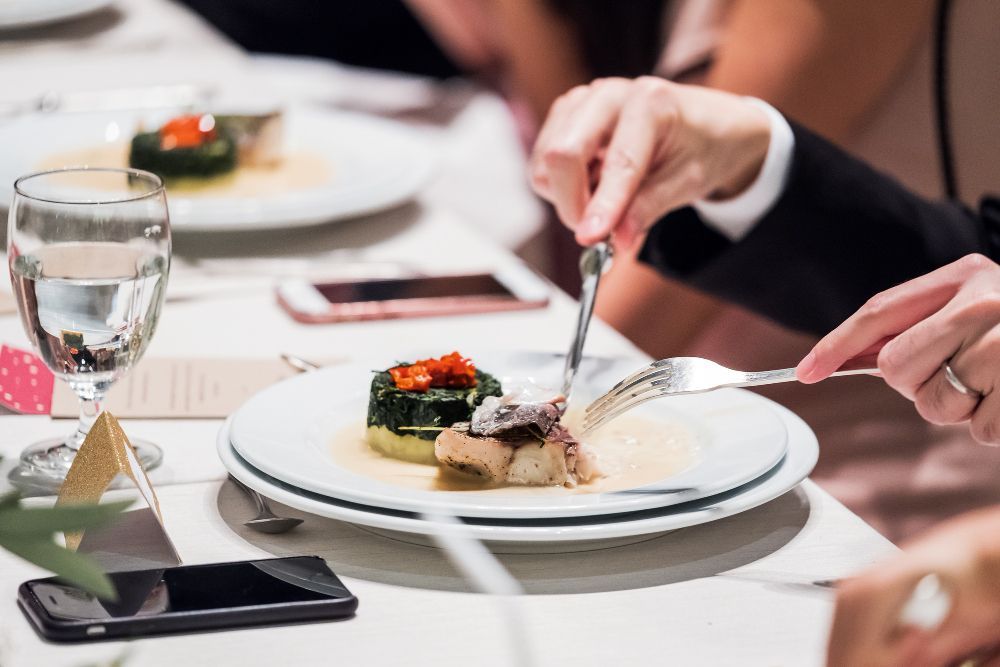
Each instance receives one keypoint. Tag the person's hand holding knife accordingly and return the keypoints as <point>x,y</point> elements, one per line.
<point>616,155</point>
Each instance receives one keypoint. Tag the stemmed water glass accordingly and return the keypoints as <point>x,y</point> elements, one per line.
<point>89,255</point>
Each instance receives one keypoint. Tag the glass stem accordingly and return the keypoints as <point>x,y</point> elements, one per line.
<point>90,408</point>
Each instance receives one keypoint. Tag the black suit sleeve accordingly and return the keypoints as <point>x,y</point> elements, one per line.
<point>840,233</point>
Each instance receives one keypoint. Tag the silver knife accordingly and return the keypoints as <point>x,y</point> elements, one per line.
<point>594,261</point>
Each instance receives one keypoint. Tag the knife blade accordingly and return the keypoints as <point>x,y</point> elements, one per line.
<point>594,261</point>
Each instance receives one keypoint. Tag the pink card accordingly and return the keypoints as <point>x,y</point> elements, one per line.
<point>25,383</point>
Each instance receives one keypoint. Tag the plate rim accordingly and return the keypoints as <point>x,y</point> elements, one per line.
<point>802,443</point>
<point>585,505</point>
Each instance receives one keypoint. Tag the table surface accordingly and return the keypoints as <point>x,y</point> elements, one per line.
<point>740,590</point>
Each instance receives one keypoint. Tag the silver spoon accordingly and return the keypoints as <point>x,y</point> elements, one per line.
<point>266,521</point>
<point>594,261</point>
<point>300,364</point>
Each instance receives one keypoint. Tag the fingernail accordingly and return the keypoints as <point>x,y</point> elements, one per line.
<point>806,367</point>
<point>592,225</point>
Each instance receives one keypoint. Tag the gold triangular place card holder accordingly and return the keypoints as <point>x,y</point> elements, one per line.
<point>137,539</point>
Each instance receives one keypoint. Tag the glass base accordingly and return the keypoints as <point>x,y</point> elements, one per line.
<point>44,464</point>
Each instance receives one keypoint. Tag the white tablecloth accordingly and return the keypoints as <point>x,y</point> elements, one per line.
<point>735,592</point>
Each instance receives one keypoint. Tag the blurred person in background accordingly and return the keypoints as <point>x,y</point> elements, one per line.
<point>531,51</point>
<point>380,35</point>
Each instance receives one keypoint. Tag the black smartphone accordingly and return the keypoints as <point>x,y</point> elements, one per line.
<point>189,599</point>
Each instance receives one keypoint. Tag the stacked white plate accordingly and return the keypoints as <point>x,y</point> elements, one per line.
<point>748,451</point>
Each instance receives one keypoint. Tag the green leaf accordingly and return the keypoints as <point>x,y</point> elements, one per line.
<point>43,521</point>
<point>393,408</point>
<point>28,532</point>
<point>9,500</point>
<point>75,568</point>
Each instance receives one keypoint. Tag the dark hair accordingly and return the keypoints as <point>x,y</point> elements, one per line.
<point>617,37</point>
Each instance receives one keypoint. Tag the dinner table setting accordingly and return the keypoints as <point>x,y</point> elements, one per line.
<point>175,346</point>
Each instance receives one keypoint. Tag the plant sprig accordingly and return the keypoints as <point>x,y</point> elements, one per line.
<point>29,532</point>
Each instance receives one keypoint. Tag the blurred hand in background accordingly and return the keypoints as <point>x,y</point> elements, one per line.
<point>964,554</point>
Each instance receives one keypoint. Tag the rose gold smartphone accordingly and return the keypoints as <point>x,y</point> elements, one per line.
<point>512,288</point>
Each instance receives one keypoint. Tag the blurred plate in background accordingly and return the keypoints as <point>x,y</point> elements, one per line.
<point>335,165</point>
<point>25,13</point>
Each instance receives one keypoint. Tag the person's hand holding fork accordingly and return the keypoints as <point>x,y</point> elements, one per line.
<point>938,343</point>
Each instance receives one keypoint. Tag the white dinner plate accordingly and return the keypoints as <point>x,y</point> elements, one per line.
<point>287,430</point>
<point>373,164</point>
<point>798,462</point>
<point>25,13</point>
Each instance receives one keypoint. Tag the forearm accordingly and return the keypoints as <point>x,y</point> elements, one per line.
<point>850,51</point>
<point>840,233</point>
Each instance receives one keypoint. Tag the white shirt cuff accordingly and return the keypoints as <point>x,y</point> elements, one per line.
<point>734,218</point>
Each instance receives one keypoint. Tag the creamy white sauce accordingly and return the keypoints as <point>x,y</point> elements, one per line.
<point>631,451</point>
<point>295,171</point>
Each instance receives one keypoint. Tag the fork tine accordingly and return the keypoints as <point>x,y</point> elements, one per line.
<point>638,385</point>
<point>652,371</point>
<point>627,380</point>
<point>623,402</point>
<point>623,397</point>
<point>595,421</point>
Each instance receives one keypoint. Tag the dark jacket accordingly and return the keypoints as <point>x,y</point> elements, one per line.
<point>840,233</point>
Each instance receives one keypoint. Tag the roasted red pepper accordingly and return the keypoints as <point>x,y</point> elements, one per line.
<point>452,371</point>
<point>187,132</point>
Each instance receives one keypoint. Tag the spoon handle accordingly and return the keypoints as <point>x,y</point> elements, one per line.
<point>254,495</point>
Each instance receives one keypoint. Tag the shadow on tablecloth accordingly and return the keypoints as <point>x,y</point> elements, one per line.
<point>682,555</point>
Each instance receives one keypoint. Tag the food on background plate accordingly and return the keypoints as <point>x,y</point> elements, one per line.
<point>201,146</point>
<point>267,163</point>
<point>509,441</point>
<point>410,404</point>
<point>186,146</point>
<point>258,137</point>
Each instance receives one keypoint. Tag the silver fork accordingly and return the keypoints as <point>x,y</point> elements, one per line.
<point>691,375</point>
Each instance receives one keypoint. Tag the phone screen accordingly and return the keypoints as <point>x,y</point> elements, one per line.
<point>415,288</point>
<point>196,588</point>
